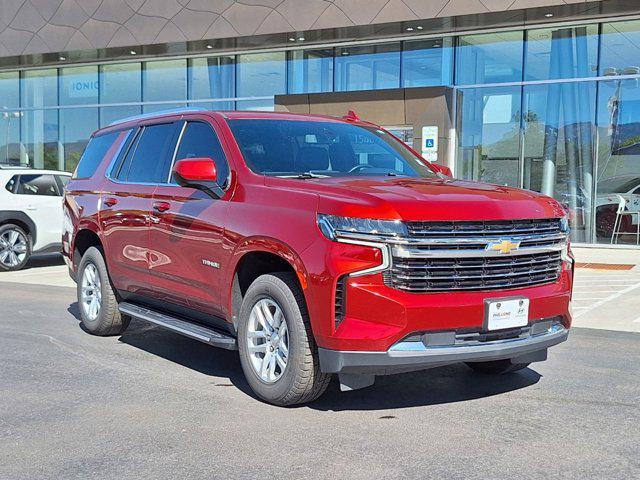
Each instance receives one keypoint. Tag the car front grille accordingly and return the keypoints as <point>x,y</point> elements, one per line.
<point>488,255</point>
<point>484,228</point>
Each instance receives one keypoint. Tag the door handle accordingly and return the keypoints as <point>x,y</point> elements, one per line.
<point>161,206</point>
<point>110,201</point>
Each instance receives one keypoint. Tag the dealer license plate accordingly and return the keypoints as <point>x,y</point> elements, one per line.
<point>508,313</point>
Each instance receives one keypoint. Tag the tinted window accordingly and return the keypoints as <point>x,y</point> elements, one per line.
<point>11,184</point>
<point>38,185</point>
<point>489,58</point>
<point>199,140</point>
<point>94,153</point>
<point>147,160</point>
<point>290,148</point>
<point>62,181</point>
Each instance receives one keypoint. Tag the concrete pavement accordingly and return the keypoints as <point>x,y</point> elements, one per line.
<point>153,404</point>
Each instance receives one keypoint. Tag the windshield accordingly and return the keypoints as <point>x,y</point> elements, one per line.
<point>294,148</point>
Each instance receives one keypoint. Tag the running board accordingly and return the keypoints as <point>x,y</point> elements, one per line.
<point>188,329</point>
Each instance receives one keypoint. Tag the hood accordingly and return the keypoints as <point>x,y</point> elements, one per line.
<point>423,199</point>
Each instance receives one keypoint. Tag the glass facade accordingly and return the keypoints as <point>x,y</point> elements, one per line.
<point>569,128</point>
<point>553,109</point>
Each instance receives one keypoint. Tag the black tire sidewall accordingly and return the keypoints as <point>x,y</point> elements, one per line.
<point>12,226</point>
<point>94,257</point>
<point>277,291</point>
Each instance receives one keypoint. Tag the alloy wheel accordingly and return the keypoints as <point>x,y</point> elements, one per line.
<point>91,295</point>
<point>13,248</point>
<point>268,340</point>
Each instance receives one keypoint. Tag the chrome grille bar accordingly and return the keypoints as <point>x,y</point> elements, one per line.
<point>432,258</point>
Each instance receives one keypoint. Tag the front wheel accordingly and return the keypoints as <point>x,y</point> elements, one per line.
<point>96,298</point>
<point>496,367</point>
<point>277,350</point>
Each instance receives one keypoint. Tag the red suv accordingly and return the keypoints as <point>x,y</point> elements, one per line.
<point>314,246</point>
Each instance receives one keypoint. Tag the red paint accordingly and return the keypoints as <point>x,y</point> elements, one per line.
<point>196,169</point>
<point>159,252</point>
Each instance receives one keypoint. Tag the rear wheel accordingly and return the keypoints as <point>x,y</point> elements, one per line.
<point>96,298</point>
<point>277,349</point>
<point>15,247</point>
<point>497,367</point>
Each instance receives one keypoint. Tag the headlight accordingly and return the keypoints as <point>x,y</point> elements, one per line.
<point>364,232</point>
<point>334,227</point>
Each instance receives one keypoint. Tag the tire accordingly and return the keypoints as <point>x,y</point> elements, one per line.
<point>15,247</point>
<point>106,319</point>
<point>497,367</point>
<point>301,380</point>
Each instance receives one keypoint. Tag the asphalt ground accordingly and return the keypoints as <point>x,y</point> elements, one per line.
<point>153,404</point>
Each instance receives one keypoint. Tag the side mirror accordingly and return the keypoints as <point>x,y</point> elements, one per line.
<point>442,169</point>
<point>198,173</point>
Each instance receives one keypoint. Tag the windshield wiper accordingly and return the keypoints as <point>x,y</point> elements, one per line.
<point>304,176</point>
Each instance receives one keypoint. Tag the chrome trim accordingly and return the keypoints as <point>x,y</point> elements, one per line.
<point>116,155</point>
<point>175,151</point>
<point>395,240</point>
<point>556,329</point>
<point>384,250</point>
<point>530,262</point>
<point>402,252</point>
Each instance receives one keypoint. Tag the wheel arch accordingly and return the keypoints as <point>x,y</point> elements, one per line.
<point>86,236</point>
<point>22,220</point>
<point>259,256</point>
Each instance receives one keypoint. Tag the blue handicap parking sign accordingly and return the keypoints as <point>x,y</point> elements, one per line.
<point>429,143</point>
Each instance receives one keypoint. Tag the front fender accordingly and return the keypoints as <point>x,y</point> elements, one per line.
<point>267,245</point>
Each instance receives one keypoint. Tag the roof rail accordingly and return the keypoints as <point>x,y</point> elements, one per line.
<point>143,116</point>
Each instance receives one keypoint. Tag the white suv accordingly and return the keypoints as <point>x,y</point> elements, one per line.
<point>30,214</point>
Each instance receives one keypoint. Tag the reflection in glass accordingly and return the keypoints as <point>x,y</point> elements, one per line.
<point>620,45</point>
<point>310,71</point>
<point>39,128</point>
<point>565,52</point>
<point>618,175</point>
<point>164,80</point>
<point>368,68</point>
<point>76,126</point>
<point>261,74</point>
<point>9,118</point>
<point>261,105</point>
<point>559,139</point>
<point>489,58</point>
<point>427,63</point>
<point>120,83</point>
<point>212,77</point>
<point>489,135</point>
<point>79,85</point>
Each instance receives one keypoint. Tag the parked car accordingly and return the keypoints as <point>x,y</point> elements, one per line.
<point>313,245</point>
<point>30,214</point>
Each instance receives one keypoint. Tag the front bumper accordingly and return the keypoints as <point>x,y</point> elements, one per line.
<point>442,348</point>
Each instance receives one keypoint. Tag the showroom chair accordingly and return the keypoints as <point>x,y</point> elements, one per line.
<point>620,213</point>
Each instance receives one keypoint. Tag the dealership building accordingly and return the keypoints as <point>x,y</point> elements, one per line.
<point>539,94</point>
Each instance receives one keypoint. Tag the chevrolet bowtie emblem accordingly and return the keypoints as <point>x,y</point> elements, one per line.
<point>503,246</point>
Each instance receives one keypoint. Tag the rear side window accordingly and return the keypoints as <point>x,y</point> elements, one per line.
<point>148,160</point>
<point>199,140</point>
<point>62,181</point>
<point>94,154</point>
<point>38,185</point>
<point>11,184</point>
